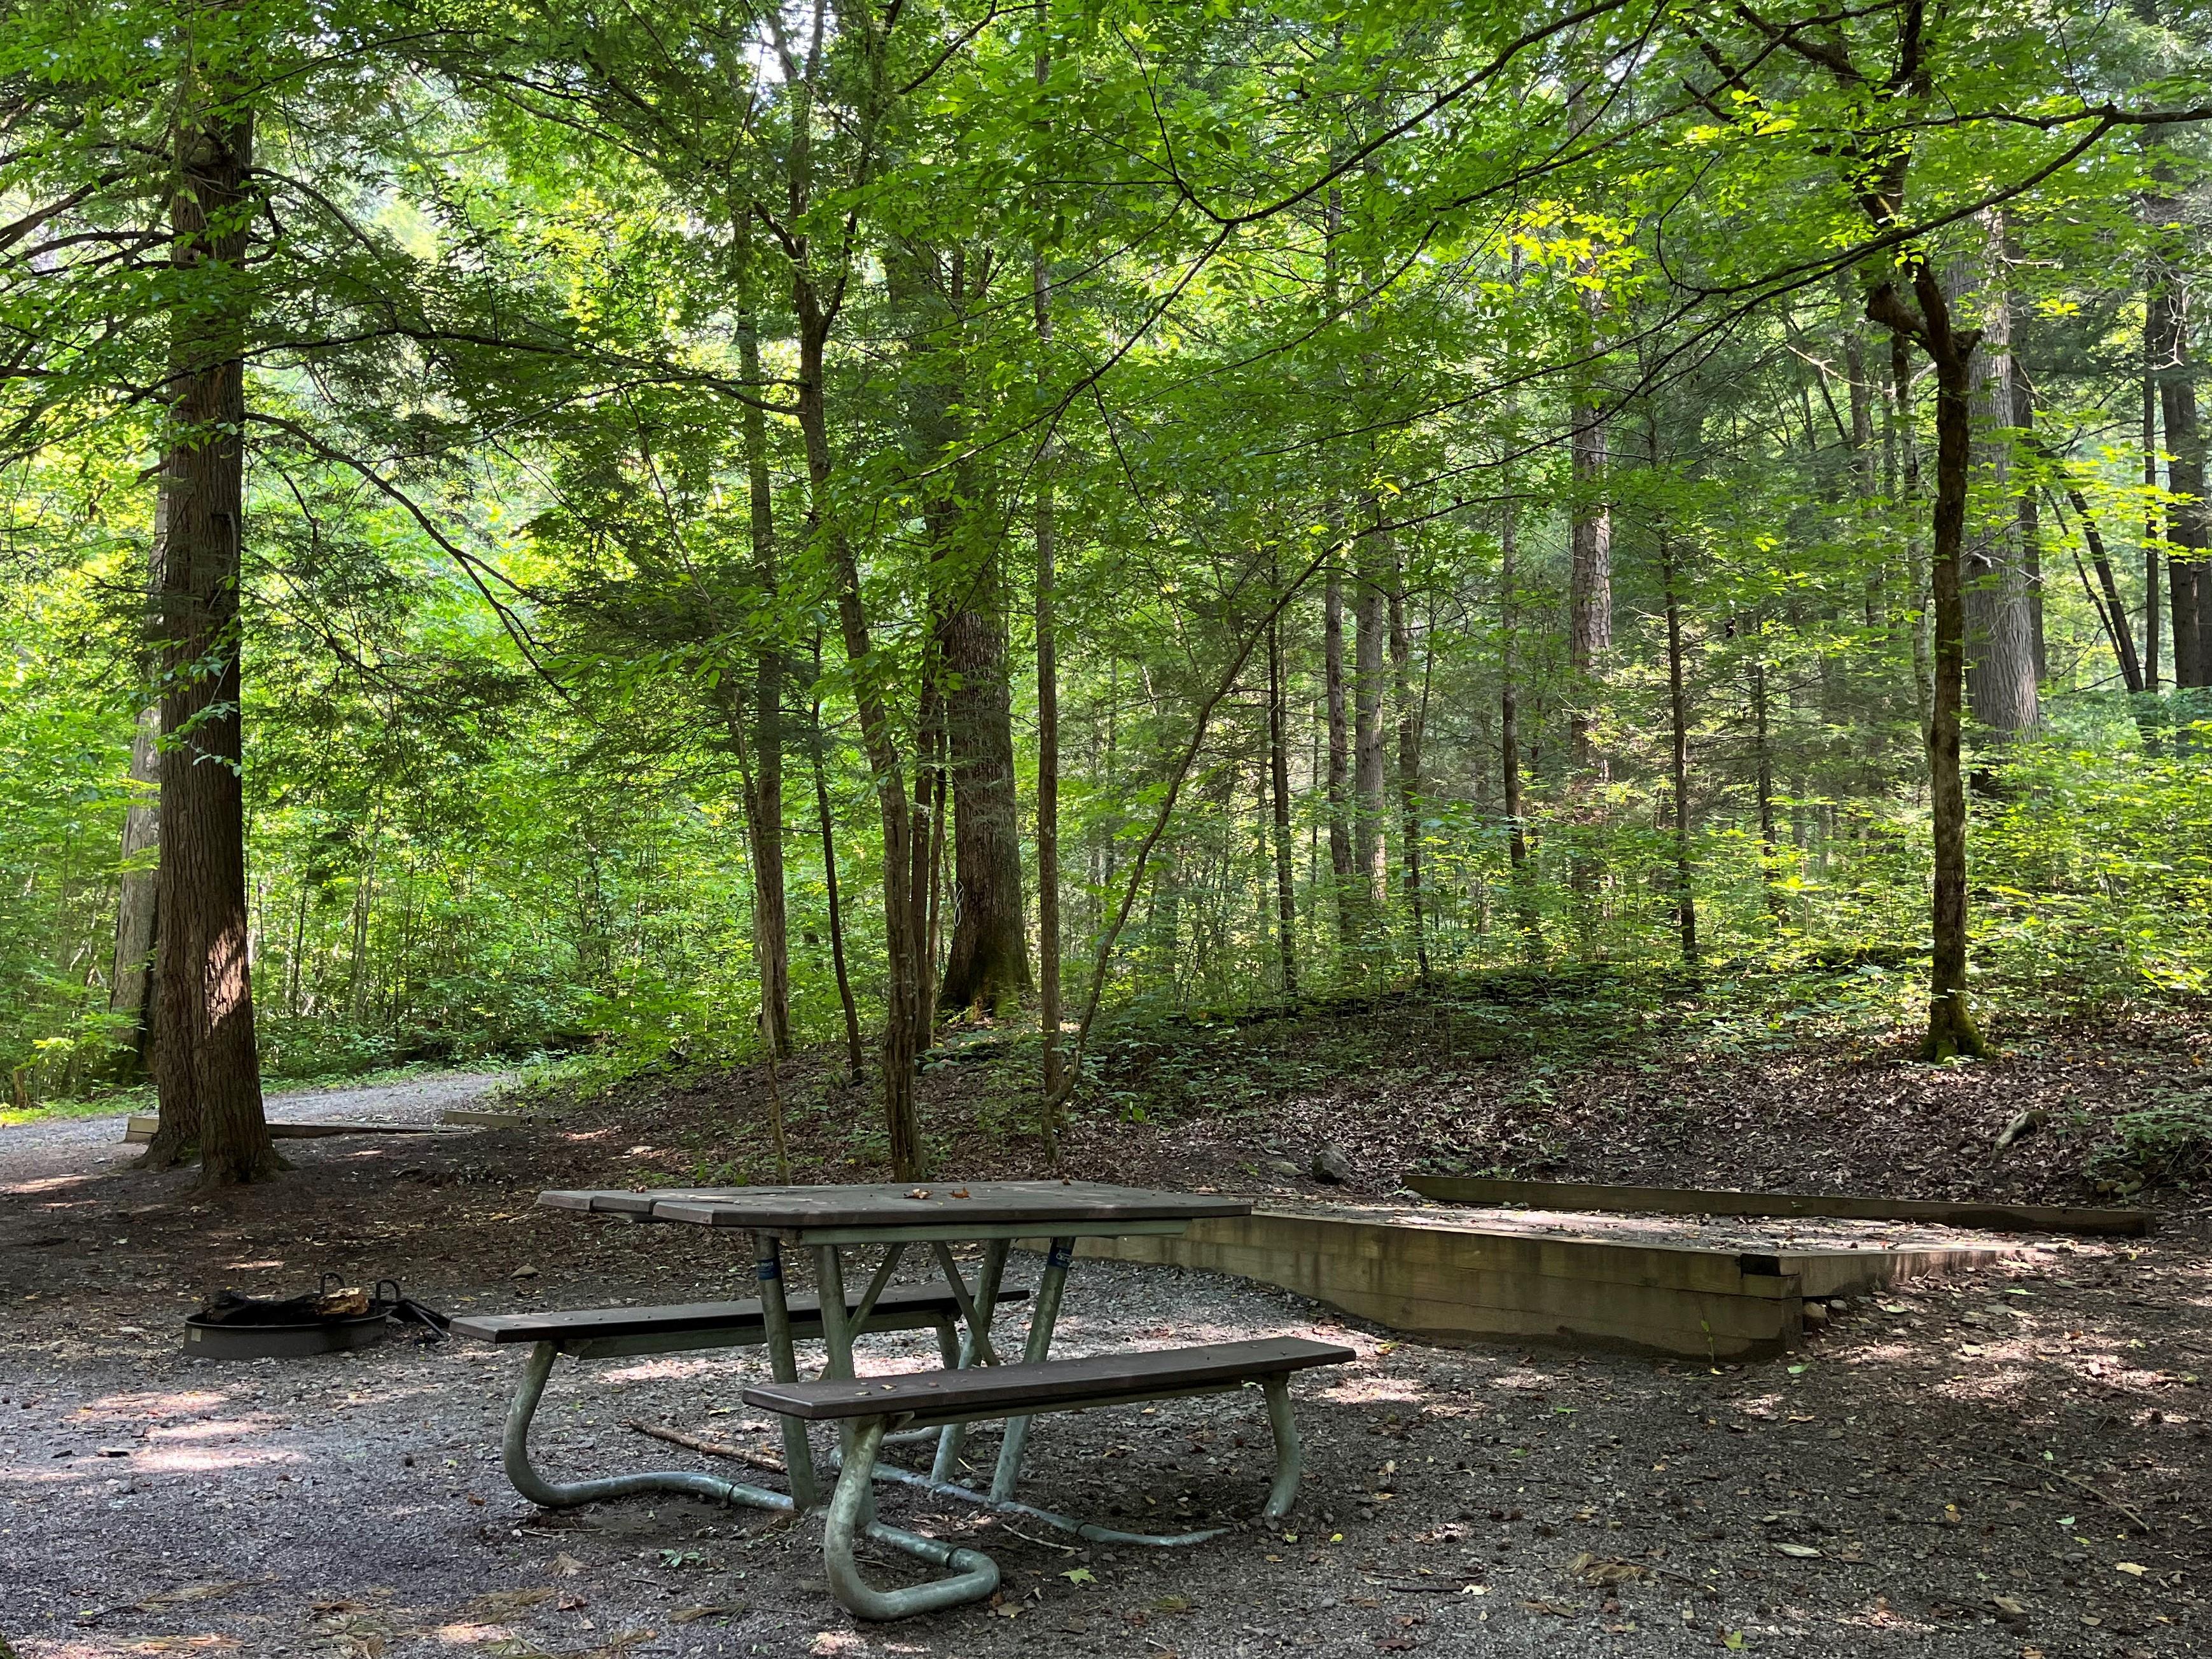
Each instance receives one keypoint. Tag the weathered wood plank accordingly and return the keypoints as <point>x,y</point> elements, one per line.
<point>1053,1384</point>
<point>1694,1200</point>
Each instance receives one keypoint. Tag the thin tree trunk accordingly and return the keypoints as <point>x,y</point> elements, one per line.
<point>1685,904</point>
<point>2031,515</point>
<point>1368,810</point>
<point>1409,761</point>
<point>1509,745</point>
<point>2167,328</point>
<point>131,985</point>
<point>1278,771</point>
<point>1349,913</point>
<point>829,823</point>
<point>1952,1029</point>
<point>1762,757</point>
<point>2000,689</point>
<point>2151,573</point>
<point>1047,693</point>
<point>1908,494</point>
<point>206,1068</point>
<point>764,799</point>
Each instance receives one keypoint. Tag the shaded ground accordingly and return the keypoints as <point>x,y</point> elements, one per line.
<point>2007,1464</point>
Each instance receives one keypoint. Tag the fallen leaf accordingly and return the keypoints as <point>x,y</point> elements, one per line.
<point>1602,1569</point>
<point>692,1615</point>
<point>2010,1606</point>
<point>1798,1552</point>
<point>1557,1609</point>
<point>567,1566</point>
<point>2130,1568</point>
<point>1172,1604</point>
<point>1080,1575</point>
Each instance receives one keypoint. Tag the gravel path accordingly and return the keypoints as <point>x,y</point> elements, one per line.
<point>2007,1464</point>
<point>75,1145</point>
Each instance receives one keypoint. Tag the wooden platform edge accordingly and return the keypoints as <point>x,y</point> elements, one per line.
<point>1454,1286</point>
<point>1693,1200</point>
<point>139,1129</point>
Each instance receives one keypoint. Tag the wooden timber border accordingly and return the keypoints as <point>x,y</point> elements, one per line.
<point>139,1127</point>
<point>1451,1279</point>
<point>1694,1200</point>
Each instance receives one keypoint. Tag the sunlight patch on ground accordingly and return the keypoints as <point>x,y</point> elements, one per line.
<point>201,1460</point>
<point>45,1184</point>
<point>157,1405</point>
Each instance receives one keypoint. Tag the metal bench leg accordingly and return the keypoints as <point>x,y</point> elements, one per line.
<point>975,1574</point>
<point>976,1347</point>
<point>783,1364</point>
<point>1290,1456</point>
<point>514,1454</point>
<point>1042,1317</point>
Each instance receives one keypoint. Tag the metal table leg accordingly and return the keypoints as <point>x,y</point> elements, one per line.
<point>783,1364</point>
<point>977,1343</point>
<point>1043,1318</point>
<point>975,1575</point>
<point>837,1338</point>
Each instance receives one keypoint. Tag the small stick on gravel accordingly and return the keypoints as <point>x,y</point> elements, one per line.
<point>700,1443</point>
<point>2098,1494</point>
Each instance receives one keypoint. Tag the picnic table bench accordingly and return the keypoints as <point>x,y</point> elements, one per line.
<point>875,1405</point>
<point>605,1333</point>
<point>975,1382</point>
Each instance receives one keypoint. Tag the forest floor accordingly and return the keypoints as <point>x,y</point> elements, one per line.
<point>2011,1463</point>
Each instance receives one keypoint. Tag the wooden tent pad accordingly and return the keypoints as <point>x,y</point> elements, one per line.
<point>1693,1200</point>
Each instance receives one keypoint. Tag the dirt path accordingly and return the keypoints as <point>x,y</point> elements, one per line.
<point>70,1145</point>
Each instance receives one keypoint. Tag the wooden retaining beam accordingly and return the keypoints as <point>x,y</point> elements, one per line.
<point>1453,1279</point>
<point>139,1129</point>
<point>1694,1200</point>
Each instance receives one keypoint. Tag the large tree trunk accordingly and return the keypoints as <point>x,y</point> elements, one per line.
<point>988,967</point>
<point>2167,339</point>
<point>206,1068</point>
<point>131,984</point>
<point>2000,689</point>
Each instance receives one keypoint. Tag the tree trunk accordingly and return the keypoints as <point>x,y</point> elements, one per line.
<point>764,799</point>
<point>2151,573</point>
<point>1279,774</point>
<point>2166,327</point>
<point>206,1068</point>
<point>829,823</point>
<point>1952,1029</point>
<point>2001,688</point>
<point>1685,904</point>
<point>1409,762</point>
<point>1762,760</point>
<point>1509,746</point>
<point>2031,516</point>
<point>989,967</point>
<point>130,986</point>
<point>1589,572</point>
<point>1349,913</point>
<point>1908,494</point>
<point>1047,693</point>
<point>1370,812</point>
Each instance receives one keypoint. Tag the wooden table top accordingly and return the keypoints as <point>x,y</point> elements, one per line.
<point>1059,1208</point>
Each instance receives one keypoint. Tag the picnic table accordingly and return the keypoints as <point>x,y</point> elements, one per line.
<point>828,1222</point>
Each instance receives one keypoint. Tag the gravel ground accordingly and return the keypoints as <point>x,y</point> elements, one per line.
<point>2011,1463</point>
<point>71,1145</point>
